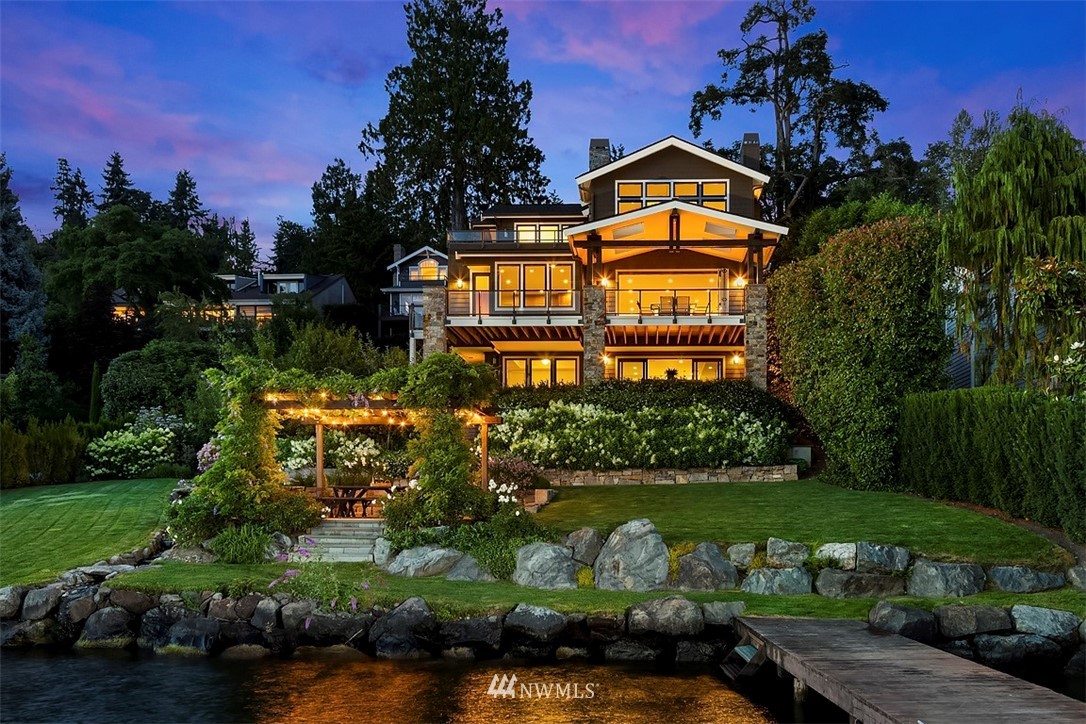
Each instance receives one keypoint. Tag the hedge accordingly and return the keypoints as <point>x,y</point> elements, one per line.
<point>1018,451</point>
<point>46,454</point>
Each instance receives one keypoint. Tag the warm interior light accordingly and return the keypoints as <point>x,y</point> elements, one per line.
<point>546,362</point>
<point>736,359</point>
<point>758,192</point>
<point>739,282</point>
<point>605,282</point>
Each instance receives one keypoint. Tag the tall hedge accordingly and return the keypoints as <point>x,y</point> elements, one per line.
<point>858,331</point>
<point>45,453</point>
<point>162,374</point>
<point>1019,451</point>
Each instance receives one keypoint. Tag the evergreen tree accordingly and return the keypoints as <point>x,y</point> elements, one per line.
<point>74,199</point>
<point>183,209</point>
<point>117,190</point>
<point>455,139</point>
<point>290,245</point>
<point>243,250</point>
<point>22,300</point>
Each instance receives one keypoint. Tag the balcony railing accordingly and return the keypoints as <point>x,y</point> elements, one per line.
<point>506,236</point>
<point>675,303</point>
<point>513,303</point>
<point>422,274</point>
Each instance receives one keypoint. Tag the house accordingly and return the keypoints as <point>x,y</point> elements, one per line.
<point>657,273</point>
<point>252,297</point>
<point>401,318</point>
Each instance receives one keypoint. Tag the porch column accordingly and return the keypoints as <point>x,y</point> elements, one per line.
<point>434,312</point>
<point>320,458</point>
<point>484,467</point>
<point>755,334</point>
<point>595,332</point>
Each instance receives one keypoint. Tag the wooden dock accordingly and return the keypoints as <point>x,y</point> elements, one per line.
<point>878,677</point>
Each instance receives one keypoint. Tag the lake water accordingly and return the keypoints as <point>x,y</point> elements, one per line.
<point>127,687</point>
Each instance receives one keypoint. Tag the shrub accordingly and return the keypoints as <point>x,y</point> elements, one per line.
<point>163,374</point>
<point>674,553</point>
<point>14,468</point>
<point>129,453</point>
<point>247,543</point>
<point>290,512</point>
<point>446,381</point>
<point>444,466</point>
<point>46,454</point>
<point>340,451</point>
<point>394,464</point>
<point>1018,451</point>
<point>858,331</point>
<point>585,577</point>
<point>514,471</point>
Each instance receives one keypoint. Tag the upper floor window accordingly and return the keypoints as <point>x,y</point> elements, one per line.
<point>539,233</point>
<point>286,287</point>
<point>427,270</point>
<point>633,195</point>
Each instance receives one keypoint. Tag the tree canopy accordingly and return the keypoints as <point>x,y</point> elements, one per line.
<point>22,299</point>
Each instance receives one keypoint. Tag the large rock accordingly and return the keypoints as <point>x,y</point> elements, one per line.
<point>468,569</point>
<point>629,651</point>
<point>778,581</point>
<point>842,554</point>
<point>382,552</point>
<point>1015,649</point>
<point>847,584</point>
<point>959,621</point>
<point>671,616</point>
<point>132,601</point>
<point>785,553</point>
<point>1076,576</point>
<point>339,628</point>
<point>696,652</point>
<point>424,561</point>
<point>535,622</point>
<point>483,632</point>
<point>945,580</point>
<point>1059,626</point>
<point>912,623</point>
<point>741,554</point>
<point>722,613</point>
<point>155,625</point>
<point>109,628</point>
<point>193,635</point>
<point>77,604</point>
<point>295,613</point>
<point>705,569</point>
<point>586,544</point>
<point>266,614</point>
<point>634,558</point>
<point>11,600</point>
<point>605,628</point>
<point>879,558</point>
<point>40,602</point>
<point>406,632</point>
<point>694,574</point>
<point>1019,579</point>
<point>21,634</point>
<point>545,565</point>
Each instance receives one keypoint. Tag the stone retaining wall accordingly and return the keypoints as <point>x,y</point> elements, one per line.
<point>672,476</point>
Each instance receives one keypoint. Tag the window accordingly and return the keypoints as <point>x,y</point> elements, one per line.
<point>540,233</point>
<point>634,195</point>
<point>679,368</point>
<point>539,371</point>
<point>535,286</point>
<point>427,270</point>
<point>286,287</point>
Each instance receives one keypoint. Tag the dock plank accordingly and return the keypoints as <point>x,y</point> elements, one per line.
<point>883,678</point>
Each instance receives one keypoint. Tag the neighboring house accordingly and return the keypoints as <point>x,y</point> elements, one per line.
<point>251,297</point>
<point>656,274</point>
<point>401,318</point>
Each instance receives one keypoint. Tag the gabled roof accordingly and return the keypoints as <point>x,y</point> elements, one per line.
<point>670,142</point>
<point>675,204</point>
<point>428,250</point>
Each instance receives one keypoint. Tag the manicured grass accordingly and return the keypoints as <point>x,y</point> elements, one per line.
<point>805,511</point>
<point>450,599</point>
<point>47,530</point>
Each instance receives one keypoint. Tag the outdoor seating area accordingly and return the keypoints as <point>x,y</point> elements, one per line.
<point>355,501</point>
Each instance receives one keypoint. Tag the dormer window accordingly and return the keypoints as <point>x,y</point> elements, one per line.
<point>427,270</point>
<point>634,195</point>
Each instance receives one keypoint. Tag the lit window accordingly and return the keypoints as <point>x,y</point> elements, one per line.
<point>631,195</point>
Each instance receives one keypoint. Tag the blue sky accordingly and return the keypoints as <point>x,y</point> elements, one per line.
<point>256,98</point>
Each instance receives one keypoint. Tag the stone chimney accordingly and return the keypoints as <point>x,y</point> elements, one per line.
<point>599,153</point>
<point>397,252</point>
<point>752,151</point>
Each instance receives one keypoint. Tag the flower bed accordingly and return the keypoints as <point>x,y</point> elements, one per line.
<point>672,476</point>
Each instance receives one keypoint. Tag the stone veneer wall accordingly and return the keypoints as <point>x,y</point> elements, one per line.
<point>671,476</point>
<point>433,320</point>
<point>595,333</point>
<point>755,335</point>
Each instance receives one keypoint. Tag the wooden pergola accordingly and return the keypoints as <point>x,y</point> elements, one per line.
<point>324,409</point>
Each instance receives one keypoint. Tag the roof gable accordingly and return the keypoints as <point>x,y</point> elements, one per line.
<point>668,206</point>
<point>670,142</point>
<point>428,250</point>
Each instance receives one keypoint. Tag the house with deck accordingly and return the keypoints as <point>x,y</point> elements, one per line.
<point>656,274</point>
<point>400,320</point>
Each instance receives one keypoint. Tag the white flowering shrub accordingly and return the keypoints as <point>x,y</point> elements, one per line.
<point>1069,371</point>
<point>575,436</point>
<point>130,452</point>
<point>340,451</point>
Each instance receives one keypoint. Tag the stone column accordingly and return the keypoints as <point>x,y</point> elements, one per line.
<point>595,333</point>
<point>433,319</point>
<point>754,336</point>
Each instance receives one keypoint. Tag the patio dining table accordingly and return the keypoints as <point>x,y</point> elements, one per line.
<point>344,500</point>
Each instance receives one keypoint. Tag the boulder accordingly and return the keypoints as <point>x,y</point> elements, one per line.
<point>1059,626</point>
<point>604,628</point>
<point>468,569</point>
<point>671,616</point>
<point>245,652</point>
<point>741,554</point>
<point>634,558</point>
<point>778,581</point>
<point>585,544</point>
<point>108,628</point>
<point>879,558</point>
<point>245,606</point>
<point>535,622</point>
<point>847,584</point>
<point>1076,576</point>
<point>1019,579</point>
<point>722,573</point>
<point>482,632</point>
<point>959,621</point>
<point>155,625</point>
<point>75,578</point>
<point>132,601</point>
<point>424,561</point>
<point>189,555</point>
<point>331,629</point>
<point>405,632</point>
<point>629,651</point>
<point>945,580</point>
<point>545,565</point>
<point>233,633</point>
<point>695,652</point>
<point>785,553</point>
<point>722,613</point>
<point>11,600</point>
<point>195,635</point>
<point>266,614</point>
<point>1014,649</point>
<point>959,647</point>
<point>694,574</point>
<point>222,609</point>
<point>382,552</point>
<point>24,634</point>
<point>564,653</point>
<point>295,613</point>
<point>912,623</point>
<point>40,602</point>
<point>842,554</point>
<point>77,604</point>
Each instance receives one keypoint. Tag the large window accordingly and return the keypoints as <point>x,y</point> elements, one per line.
<point>539,371</point>
<point>534,286</point>
<point>678,368</point>
<point>427,270</point>
<point>540,233</point>
<point>633,195</point>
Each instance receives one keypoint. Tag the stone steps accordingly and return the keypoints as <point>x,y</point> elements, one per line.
<point>347,541</point>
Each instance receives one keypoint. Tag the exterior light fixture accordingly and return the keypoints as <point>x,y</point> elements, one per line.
<point>605,282</point>
<point>736,359</point>
<point>739,282</point>
<point>546,362</point>
<point>606,359</point>
<point>459,283</point>
<point>673,226</point>
<point>758,192</point>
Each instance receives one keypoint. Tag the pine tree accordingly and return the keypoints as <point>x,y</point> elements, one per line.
<point>74,199</point>
<point>117,190</point>
<point>183,209</point>
<point>22,299</point>
<point>241,250</point>
<point>290,245</point>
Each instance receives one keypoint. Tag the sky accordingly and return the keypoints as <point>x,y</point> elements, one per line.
<point>257,98</point>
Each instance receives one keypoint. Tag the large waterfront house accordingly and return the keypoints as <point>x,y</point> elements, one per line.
<point>656,273</point>
<point>401,319</point>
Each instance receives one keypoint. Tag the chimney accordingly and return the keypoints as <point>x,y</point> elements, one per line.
<point>397,252</point>
<point>752,151</point>
<point>599,153</point>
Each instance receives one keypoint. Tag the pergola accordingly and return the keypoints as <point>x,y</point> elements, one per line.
<point>324,409</point>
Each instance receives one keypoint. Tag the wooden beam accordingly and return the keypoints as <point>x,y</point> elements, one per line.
<point>485,462</point>
<point>320,458</point>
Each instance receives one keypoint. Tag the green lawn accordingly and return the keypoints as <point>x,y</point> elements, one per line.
<point>47,530</point>
<point>805,511</point>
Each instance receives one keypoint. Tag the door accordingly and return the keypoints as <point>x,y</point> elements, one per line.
<point>480,296</point>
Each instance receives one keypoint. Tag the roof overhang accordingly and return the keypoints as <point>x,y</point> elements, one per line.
<point>429,251</point>
<point>671,142</point>
<point>622,220</point>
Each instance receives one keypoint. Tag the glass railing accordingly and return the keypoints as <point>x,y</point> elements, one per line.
<point>506,236</point>
<point>423,274</point>
<point>674,303</point>
<point>513,303</point>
